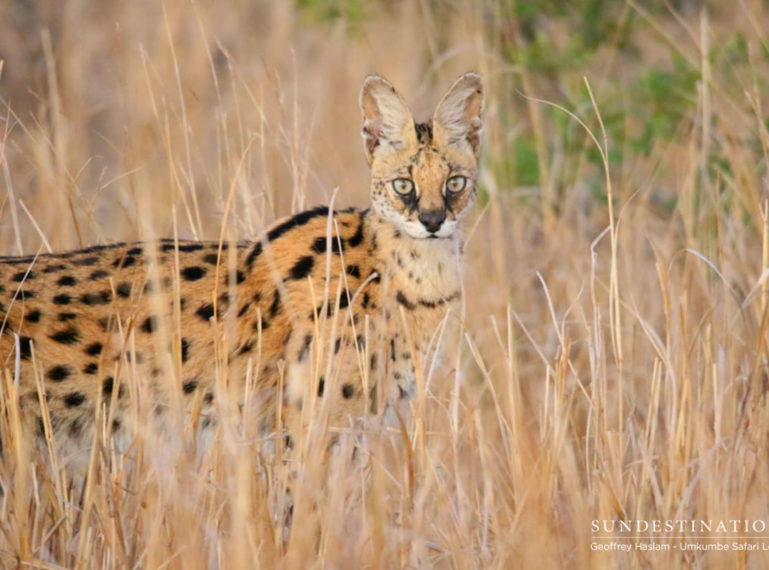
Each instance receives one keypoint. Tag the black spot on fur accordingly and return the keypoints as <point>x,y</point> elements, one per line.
<point>366,299</point>
<point>298,220</point>
<point>74,399</point>
<point>185,349</point>
<point>337,244</point>
<point>344,300</point>
<point>319,311</point>
<point>189,386</point>
<point>347,391</point>
<point>22,275</point>
<point>94,349</point>
<point>239,277</point>
<point>67,336</point>
<point>59,373</point>
<point>193,273</point>
<point>85,261</point>
<point>100,298</point>
<point>353,271</point>
<point>360,341</point>
<point>246,347</point>
<point>357,238</point>
<point>91,368</point>
<point>393,355</point>
<point>275,306</point>
<point>211,258</point>
<point>320,243</point>
<point>262,324</point>
<point>189,247</point>
<point>66,281</point>
<point>98,274</point>
<point>149,325</point>
<point>321,386</point>
<point>255,252</point>
<point>62,299</point>
<point>302,267</point>
<point>54,268</point>
<point>401,298</point>
<point>107,385</point>
<point>64,317</point>
<point>124,290</point>
<point>126,261</point>
<point>134,251</point>
<point>305,347</point>
<point>244,309</point>
<point>205,312</point>
<point>337,345</point>
<point>33,316</point>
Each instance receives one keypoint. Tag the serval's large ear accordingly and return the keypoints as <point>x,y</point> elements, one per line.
<point>387,122</point>
<point>457,120</point>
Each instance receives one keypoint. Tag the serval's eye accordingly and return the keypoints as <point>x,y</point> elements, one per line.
<point>403,186</point>
<point>456,184</point>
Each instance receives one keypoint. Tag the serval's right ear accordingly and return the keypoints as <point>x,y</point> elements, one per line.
<point>387,122</point>
<point>457,120</point>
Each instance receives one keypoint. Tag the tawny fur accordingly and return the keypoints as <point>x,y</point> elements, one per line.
<point>319,292</point>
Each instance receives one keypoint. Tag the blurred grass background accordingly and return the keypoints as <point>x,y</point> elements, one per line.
<point>612,360</point>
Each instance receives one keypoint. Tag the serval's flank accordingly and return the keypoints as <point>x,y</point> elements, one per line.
<point>330,306</point>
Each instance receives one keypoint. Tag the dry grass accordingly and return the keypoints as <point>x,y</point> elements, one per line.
<point>612,360</point>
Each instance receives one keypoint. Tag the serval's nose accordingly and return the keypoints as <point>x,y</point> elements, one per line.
<point>432,219</point>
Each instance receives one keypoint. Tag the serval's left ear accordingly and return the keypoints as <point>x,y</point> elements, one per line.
<point>457,120</point>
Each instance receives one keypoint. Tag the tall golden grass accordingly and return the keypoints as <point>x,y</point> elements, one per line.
<point>611,361</point>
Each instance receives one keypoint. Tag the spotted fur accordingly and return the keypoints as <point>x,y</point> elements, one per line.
<point>331,305</point>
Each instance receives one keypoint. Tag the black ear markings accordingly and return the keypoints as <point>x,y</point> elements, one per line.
<point>425,133</point>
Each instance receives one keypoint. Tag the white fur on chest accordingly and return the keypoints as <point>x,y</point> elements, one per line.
<point>426,270</point>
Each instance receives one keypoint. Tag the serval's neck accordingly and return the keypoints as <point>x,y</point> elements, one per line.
<point>426,270</point>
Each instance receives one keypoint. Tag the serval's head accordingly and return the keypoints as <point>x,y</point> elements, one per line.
<point>423,176</point>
